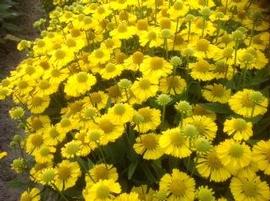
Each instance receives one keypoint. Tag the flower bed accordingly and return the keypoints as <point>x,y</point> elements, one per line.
<point>145,100</point>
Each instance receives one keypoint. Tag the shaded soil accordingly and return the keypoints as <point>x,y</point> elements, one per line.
<point>9,58</point>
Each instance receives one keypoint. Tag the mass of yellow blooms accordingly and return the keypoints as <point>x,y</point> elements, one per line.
<point>145,100</point>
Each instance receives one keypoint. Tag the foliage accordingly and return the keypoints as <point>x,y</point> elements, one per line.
<point>7,17</point>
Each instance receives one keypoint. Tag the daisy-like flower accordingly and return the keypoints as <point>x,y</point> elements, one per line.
<point>67,173</point>
<point>71,149</point>
<point>174,143</point>
<point>53,136</point>
<point>204,193</point>
<point>152,37</point>
<point>249,188</point>
<point>248,103</point>
<point>99,56</point>
<point>45,154</point>
<point>123,31</point>
<point>128,197</point>
<point>201,70</point>
<point>121,113</point>
<point>177,186</point>
<point>30,195</point>
<point>34,142</point>
<point>144,88</point>
<point>103,190</point>
<point>38,104</point>
<point>47,176</point>
<point>234,155</point>
<point>238,128</point>
<point>261,151</point>
<point>111,70</point>
<point>111,130</point>
<point>150,119</point>
<point>79,83</point>
<point>101,172</point>
<point>155,68</point>
<point>210,166</point>
<point>148,146</point>
<point>216,93</point>
<point>45,88</point>
<point>172,85</point>
<point>61,57</point>
<point>205,126</point>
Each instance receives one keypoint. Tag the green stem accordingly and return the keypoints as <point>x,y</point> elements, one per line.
<point>166,48</point>
<point>60,193</point>
<point>163,116</point>
<point>189,30</point>
<point>204,23</point>
<point>176,30</point>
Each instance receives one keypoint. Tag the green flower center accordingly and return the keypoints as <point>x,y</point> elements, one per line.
<point>250,189</point>
<point>236,151</point>
<point>178,188</point>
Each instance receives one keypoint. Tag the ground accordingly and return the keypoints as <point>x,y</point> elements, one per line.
<point>9,58</point>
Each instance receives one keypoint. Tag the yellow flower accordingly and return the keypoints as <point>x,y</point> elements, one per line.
<point>234,155</point>
<point>177,186</point>
<point>248,103</point>
<point>101,172</point>
<point>205,126</point>
<point>123,31</point>
<point>238,128</point>
<point>34,142</point>
<point>152,37</point>
<point>249,188</point>
<point>38,104</point>
<point>30,195</point>
<point>99,56</point>
<point>127,197</point>
<point>172,85</point>
<point>112,130</point>
<point>110,71</point>
<point>53,136</point>
<point>121,113</point>
<point>178,10</point>
<point>210,166</point>
<point>3,154</point>
<point>174,143</point>
<point>144,88</point>
<point>216,93</point>
<point>148,146</point>
<point>61,57</point>
<point>201,70</point>
<point>47,176</point>
<point>45,88</point>
<point>67,174</point>
<point>103,190</point>
<point>204,193</point>
<point>150,119</point>
<point>44,154</point>
<point>155,68</point>
<point>79,83</point>
<point>261,152</point>
<point>71,149</point>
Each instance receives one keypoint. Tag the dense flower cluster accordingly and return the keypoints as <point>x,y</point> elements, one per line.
<point>145,100</point>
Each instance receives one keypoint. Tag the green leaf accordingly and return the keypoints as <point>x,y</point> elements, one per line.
<point>17,183</point>
<point>131,169</point>
<point>217,108</point>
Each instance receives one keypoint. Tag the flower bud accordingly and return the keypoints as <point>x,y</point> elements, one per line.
<point>163,99</point>
<point>184,108</point>
<point>176,61</point>
<point>124,84</point>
